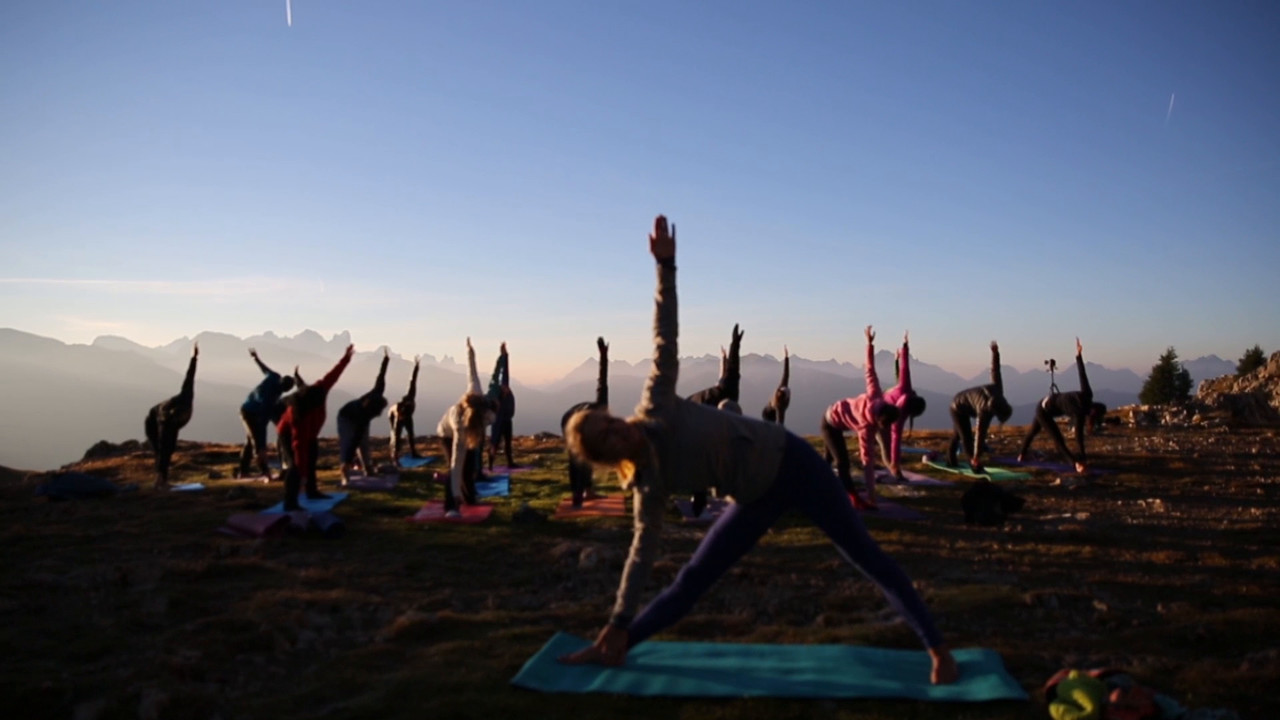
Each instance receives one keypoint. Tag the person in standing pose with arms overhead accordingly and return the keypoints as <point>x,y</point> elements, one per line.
<point>677,446</point>
<point>299,431</point>
<point>260,409</point>
<point>401,417</point>
<point>505,401</point>
<point>461,429</point>
<point>353,424</point>
<point>776,410</point>
<point>909,404</point>
<point>868,415</point>
<point>579,469</point>
<point>167,418</point>
<point>1076,406</point>
<point>984,403</point>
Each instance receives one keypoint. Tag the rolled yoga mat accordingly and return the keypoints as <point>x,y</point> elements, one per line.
<point>737,670</point>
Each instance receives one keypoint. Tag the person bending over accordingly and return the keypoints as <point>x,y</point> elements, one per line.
<point>258,411</point>
<point>501,396</point>
<point>354,418</point>
<point>299,431</point>
<point>984,403</point>
<point>678,446</point>
<point>776,410</point>
<point>579,469</point>
<point>867,415</point>
<point>1077,406</point>
<point>165,419</point>
<point>726,388</point>
<point>461,431</point>
<point>909,404</point>
<point>401,417</point>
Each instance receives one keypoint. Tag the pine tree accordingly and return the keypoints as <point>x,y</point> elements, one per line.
<point>1169,381</point>
<point>1253,359</point>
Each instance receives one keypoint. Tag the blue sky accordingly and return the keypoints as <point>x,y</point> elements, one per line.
<point>418,172</point>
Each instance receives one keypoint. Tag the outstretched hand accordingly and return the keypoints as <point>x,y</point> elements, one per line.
<point>386,351</point>
<point>502,349</point>
<point>906,337</point>
<point>351,350</point>
<point>1079,347</point>
<point>871,334</point>
<point>610,648</point>
<point>253,353</point>
<point>662,242</point>
<point>469,348</point>
<point>785,352</point>
<point>995,346</point>
<point>195,349</point>
<point>602,346</point>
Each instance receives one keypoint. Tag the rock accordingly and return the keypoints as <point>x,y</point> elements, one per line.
<point>588,558</point>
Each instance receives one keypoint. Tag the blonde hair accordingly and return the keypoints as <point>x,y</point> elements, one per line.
<point>587,437</point>
<point>474,409</point>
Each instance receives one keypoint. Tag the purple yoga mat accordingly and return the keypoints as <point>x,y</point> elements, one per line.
<point>256,525</point>
<point>884,477</point>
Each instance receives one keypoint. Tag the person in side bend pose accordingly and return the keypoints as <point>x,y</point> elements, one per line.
<point>983,402</point>
<point>727,387</point>
<point>672,446</point>
<point>776,410</point>
<point>461,430</point>
<point>579,469</point>
<point>299,431</point>
<point>401,417</point>
<point>505,401</point>
<point>353,424</point>
<point>909,404</point>
<point>260,409</point>
<point>867,415</point>
<point>165,419</point>
<point>1077,406</point>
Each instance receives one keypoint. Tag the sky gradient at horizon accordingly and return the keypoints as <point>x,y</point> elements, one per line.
<point>417,173</point>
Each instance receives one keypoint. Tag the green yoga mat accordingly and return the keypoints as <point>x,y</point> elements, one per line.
<point>996,474</point>
<point>703,669</point>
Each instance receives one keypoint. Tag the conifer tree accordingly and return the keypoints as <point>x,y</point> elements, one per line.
<point>1169,381</point>
<point>1253,359</point>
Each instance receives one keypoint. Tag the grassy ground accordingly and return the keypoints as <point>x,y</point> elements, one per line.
<point>1168,567</point>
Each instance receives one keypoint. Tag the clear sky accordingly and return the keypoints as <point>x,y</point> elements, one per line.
<point>416,172</point>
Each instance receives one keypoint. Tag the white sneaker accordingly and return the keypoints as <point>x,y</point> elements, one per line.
<point>453,514</point>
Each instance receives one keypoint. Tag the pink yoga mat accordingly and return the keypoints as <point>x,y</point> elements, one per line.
<point>504,470</point>
<point>433,512</point>
<point>256,525</point>
<point>891,511</point>
<point>608,506</point>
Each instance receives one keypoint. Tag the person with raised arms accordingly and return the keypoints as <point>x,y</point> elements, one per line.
<point>868,415</point>
<point>983,402</point>
<point>258,411</point>
<point>505,401</point>
<point>672,445</point>
<point>299,431</point>
<point>401,417</point>
<point>354,418</point>
<point>165,419</point>
<point>1077,406</point>
<point>776,410</point>
<point>909,404</point>
<point>579,469</point>
<point>462,430</point>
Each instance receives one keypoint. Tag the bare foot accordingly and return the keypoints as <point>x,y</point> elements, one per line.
<point>944,670</point>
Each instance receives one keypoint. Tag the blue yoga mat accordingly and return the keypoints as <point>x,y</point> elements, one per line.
<point>314,506</point>
<point>702,669</point>
<point>495,486</point>
<point>412,462</point>
<point>994,473</point>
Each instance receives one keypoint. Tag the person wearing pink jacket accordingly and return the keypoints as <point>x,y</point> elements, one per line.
<point>867,414</point>
<point>909,404</point>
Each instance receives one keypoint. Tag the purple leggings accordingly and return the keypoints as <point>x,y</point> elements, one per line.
<point>804,482</point>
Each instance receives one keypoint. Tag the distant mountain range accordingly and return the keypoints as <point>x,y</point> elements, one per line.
<point>56,399</point>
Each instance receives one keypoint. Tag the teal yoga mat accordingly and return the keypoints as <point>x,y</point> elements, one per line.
<point>322,505</point>
<point>703,669</point>
<point>996,474</point>
<point>495,486</point>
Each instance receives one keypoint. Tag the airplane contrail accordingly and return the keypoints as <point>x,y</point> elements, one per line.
<point>288,12</point>
<point>1169,113</point>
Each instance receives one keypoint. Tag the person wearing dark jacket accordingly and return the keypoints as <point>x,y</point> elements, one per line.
<point>354,418</point>
<point>401,417</point>
<point>671,446</point>
<point>299,431</point>
<point>726,388</point>
<point>258,411</point>
<point>983,402</point>
<point>580,470</point>
<point>165,420</point>
<point>505,402</point>
<point>776,410</point>
<point>1077,406</point>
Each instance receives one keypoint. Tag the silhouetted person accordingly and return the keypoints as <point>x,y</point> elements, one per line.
<point>867,415</point>
<point>984,402</point>
<point>776,410</point>
<point>580,470</point>
<point>726,388</point>
<point>353,423</point>
<point>299,431</point>
<point>259,410</point>
<point>909,404</point>
<point>401,418</point>
<point>500,394</point>
<point>1077,406</point>
<point>167,418</point>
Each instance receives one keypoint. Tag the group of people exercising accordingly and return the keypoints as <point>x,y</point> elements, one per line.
<point>671,445</point>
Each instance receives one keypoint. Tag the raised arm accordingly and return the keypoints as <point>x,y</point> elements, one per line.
<point>660,389</point>
<point>413,379</point>
<point>904,365</point>
<point>189,382</point>
<point>873,381</point>
<point>786,368</point>
<point>995,367</point>
<point>261,365</point>
<point>495,379</point>
<point>380,385</point>
<point>473,377</point>
<point>602,380</point>
<point>733,374</point>
<point>328,380</point>
<point>506,366</point>
<point>1085,390</point>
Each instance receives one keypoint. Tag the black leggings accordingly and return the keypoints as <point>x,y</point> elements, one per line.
<point>163,437</point>
<point>579,479</point>
<point>255,444</point>
<point>1044,420</point>
<point>833,439</point>
<point>470,473</point>
<point>501,433</point>
<point>961,435</point>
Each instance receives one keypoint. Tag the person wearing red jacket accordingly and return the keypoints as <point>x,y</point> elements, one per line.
<point>299,431</point>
